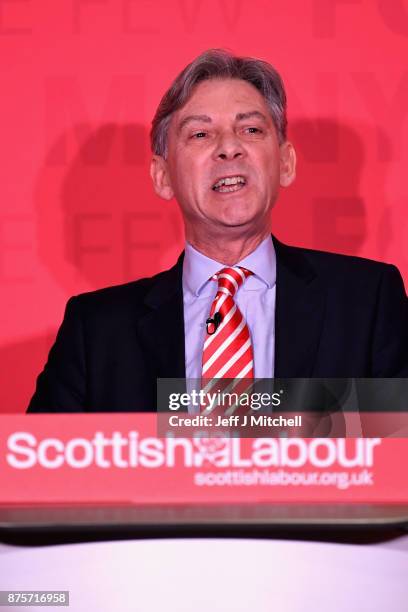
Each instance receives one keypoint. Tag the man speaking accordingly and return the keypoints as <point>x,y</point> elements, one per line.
<point>238,303</point>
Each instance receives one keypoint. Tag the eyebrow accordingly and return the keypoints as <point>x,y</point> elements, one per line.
<point>207,119</point>
<point>250,115</point>
<point>190,118</point>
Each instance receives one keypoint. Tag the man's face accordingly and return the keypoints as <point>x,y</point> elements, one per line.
<point>224,163</point>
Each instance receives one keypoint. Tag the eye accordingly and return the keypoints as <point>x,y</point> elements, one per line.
<point>200,134</point>
<point>253,130</point>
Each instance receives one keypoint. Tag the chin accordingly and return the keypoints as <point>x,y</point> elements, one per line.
<point>243,221</point>
<point>240,217</point>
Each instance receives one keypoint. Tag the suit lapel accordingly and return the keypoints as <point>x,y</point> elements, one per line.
<point>299,314</point>
<point>162,329</point>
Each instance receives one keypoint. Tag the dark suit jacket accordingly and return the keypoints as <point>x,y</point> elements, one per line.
<point>336,316</point>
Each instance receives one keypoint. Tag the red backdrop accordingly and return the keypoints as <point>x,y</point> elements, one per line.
<point>80,82</point>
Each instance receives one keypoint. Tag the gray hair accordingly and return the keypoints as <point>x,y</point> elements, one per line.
<point>212,64</point>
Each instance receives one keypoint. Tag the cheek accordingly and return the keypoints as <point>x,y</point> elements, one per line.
<point>185,171</point>
<point>185,186</point>
<point>272,175</point>
<point>192,179</point>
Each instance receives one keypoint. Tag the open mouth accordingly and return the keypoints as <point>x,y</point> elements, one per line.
<point>229,184</point>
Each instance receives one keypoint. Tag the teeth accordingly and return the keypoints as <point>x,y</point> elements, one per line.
<point>232,180</point>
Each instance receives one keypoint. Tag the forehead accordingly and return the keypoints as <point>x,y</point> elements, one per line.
<point>223,96</point>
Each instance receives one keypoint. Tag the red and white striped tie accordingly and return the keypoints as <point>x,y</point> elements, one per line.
<point>228,351</point>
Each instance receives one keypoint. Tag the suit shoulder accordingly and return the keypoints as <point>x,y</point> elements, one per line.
<point>124,296</point>
<point>117,292</point>
<point>334,263</point>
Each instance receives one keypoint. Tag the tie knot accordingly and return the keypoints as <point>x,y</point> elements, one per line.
<point>231,279</point>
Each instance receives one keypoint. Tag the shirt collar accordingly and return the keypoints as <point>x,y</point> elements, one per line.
<point>198,268</point>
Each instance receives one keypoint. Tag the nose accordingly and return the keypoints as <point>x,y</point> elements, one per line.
<point>228,147</point>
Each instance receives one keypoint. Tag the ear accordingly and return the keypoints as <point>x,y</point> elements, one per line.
<point>159,172</point>
<point>287,164</point>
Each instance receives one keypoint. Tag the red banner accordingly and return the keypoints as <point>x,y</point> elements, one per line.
<point>118,458</point>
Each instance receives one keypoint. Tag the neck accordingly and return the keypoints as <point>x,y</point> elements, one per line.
<point>228,252</point>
